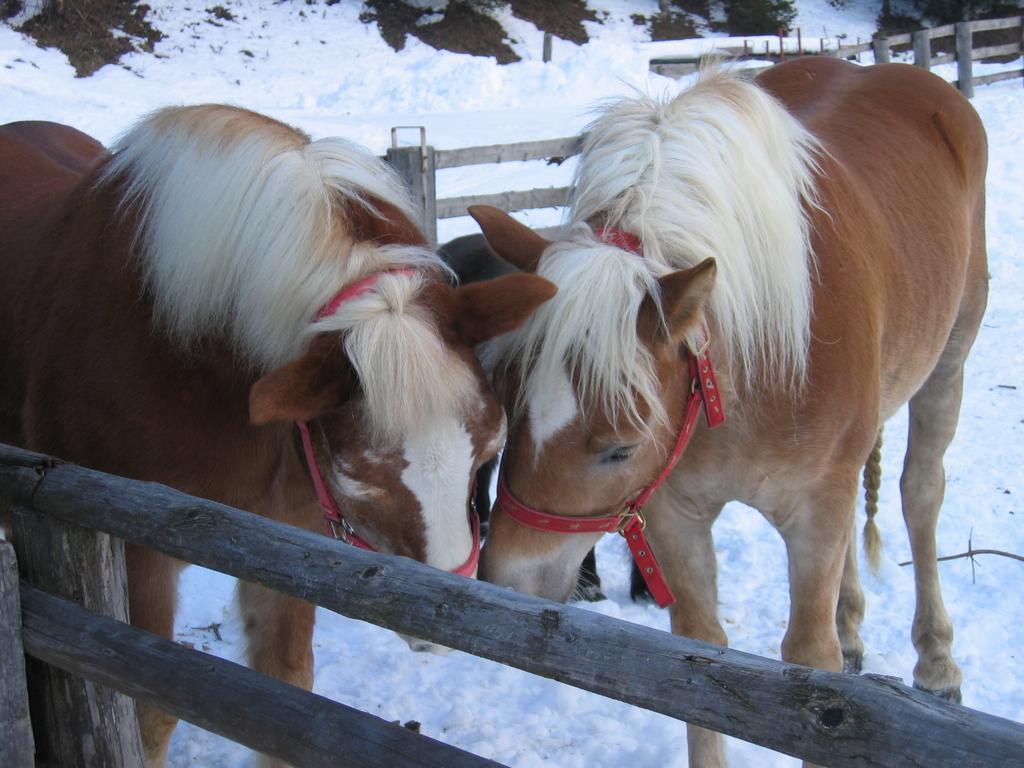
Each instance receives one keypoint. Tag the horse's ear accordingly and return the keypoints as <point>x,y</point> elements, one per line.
<point>683,296</point>
<point>322,379</point>
<point>493,307</point>
<point>390,227</point>
<point>514,242</point>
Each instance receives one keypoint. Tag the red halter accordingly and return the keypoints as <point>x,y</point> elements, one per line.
<point>630,522</point>
<point>337,525</point>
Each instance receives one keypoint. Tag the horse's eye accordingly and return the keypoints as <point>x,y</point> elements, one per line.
<point>619,454</point>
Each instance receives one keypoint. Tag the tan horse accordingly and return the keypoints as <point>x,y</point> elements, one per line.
<point>161,318</point>
<point>825,225</point>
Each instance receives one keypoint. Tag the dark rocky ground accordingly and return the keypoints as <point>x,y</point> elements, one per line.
<point>82,28</point>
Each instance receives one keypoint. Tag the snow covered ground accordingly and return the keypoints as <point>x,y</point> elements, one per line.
<point>319,68</point>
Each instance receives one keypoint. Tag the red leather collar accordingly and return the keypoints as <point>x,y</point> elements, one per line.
<point>337,525</point>
<point>620,238</point>
<point>630,522</point>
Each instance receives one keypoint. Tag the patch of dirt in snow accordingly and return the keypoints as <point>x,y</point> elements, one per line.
<point>464,27</point>
<point>467,27</point>
<point>82,29</point>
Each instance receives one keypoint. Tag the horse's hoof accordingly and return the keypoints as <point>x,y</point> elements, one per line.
<point>589,592</point>
<point>424,646</point>
<point>949,694</point>
<point>853,662</point>
<point>638,591</point>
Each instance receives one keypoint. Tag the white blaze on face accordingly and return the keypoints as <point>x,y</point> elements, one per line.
<point>440,462</point>
<point>551,408</point>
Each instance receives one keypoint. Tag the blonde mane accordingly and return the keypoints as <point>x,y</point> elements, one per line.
<point>409,378</point>
<point>242,223</point>
<point>243,231</point>
<point>721,170</point>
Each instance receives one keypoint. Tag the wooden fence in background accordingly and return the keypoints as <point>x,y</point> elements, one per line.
<point>418,165</point>
<point>825,717</point>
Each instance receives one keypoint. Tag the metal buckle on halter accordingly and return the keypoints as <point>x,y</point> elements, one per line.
<point>626,517</point>
<point>346,532</point>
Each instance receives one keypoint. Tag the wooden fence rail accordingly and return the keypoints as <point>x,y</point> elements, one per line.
<point>504,153</point>
<point>824,717</point>
<point>418,165</point>
<point>223,697</point>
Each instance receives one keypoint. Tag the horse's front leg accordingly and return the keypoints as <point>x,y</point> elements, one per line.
<point>279,628</point>
<point>152,598</point>
<point>279,634</point>
<point>682,542</point>
<point>817,534</point>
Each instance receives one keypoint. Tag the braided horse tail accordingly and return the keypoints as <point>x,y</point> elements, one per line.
<point>872,481</point>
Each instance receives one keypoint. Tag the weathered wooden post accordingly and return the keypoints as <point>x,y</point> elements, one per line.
<point>416,166</point>
<point>16,750</point>
<point>964,64</point>
<point>922,41</point>
<point>880,45</point>
<point>76,722</point>
<point>547,47</point>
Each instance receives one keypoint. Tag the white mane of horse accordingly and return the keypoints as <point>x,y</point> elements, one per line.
<point>722,171</point>
<point>242,230</point>
<point>410,380</point>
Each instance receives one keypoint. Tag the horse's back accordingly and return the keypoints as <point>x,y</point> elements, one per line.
<point>866,115</point>
<point>901,244</point>
<point>43,164</point>
<point>32,141</point>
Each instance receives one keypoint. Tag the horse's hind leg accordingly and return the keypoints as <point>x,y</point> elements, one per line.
<point>934,412</point>
<point>152,598</point>
<point>279,630</point>
<point>850,611</point>
<point>933,417</point>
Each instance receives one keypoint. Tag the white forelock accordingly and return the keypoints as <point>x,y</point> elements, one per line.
<point>242,224</point>
<point>411,381</point>
<point>587,331</point>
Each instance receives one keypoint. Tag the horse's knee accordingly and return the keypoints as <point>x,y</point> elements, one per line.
<point>697,625</point>
<point>152,589</point>
<point>705,749</point>
<point>279,632</point>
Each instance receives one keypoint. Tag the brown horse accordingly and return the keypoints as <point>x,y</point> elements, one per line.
<point>817,238</point>
<point>162,317</point>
